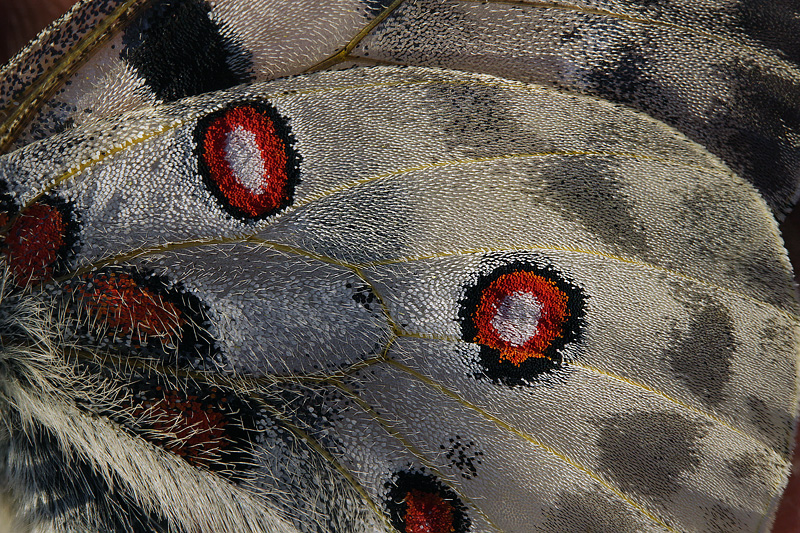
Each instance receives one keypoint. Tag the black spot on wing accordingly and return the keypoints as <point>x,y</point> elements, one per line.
<point>774,23</point>
<point>476,121</point>
<point>590,512</point>
<point>749,467</point>
<point>710,215</point>
<point>647,453</point>
<point>721,518</point>
<point>750,129</point>
<point>701,357</point>
<point>590,193</point>
<point>180,52</point>
<point>623,77</point>
<point>757,125</point>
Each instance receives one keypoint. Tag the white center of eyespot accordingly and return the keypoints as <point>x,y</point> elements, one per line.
<point>244,157</point>
<point>517,317</point>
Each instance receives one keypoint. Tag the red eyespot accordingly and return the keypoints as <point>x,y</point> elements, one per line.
<point>522,315</point>
<point>420,503</point>
<point>35,242</point>
<point>247,160</point>
<point>192,429</point>
<point>207,426</point>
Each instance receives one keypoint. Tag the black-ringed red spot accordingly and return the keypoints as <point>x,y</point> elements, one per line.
<point>208,426</point>
<point>420,503</point>
<point>522,315</point>
<point>39,240</point>
<point>247,160</point>
<point>140,313</point>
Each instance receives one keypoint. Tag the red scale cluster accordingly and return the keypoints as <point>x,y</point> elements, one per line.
<point>428,512</point>
<point>33,243</point>
<point>554,314</point>
<point>117,304</point>
<point>274,185</point>
<point>186,426</point>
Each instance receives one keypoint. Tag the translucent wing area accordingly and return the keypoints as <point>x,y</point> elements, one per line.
<point>341,302</point>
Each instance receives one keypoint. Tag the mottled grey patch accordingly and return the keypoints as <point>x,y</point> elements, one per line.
<point>476,121</point>
<point>710,214</point>
<point>773,423</point>
<point>587,191</point>
<point>749,466</point>
<point>774,23</point>
<point>646,453</point>
<point>589,513</point>
<point>755,129</point>
<point>701,357</point>
<point>623,74</point>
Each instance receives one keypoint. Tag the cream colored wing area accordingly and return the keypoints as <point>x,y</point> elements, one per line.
<point>378,165</point>
<point>715,352</point>
<point>667,466</point>
<point>713,72</point>
<point>495,466</point>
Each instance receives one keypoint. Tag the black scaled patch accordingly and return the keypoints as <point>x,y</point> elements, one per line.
<point>587,191</point>
<point>463,456</point>
<point>647,453</point>
<point>180,52</point>
<point>758,121</point>
<point>702,357</point>
<point>773,423</point>
<point>774,23</point>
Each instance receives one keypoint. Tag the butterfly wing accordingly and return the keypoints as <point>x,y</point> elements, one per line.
<point>390,298</point>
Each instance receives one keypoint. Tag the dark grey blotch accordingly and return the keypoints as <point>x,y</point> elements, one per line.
<point>709,213</point>
<point>774,424</point>
<point>701,357</point>
<point>749,467</point>
<point>590,513</point>
<point>647,453</point>
<point>720,518</point>
<point>475,120</point>
<point>587,191</point>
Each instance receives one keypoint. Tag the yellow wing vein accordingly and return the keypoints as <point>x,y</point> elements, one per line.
<point>529,438</point>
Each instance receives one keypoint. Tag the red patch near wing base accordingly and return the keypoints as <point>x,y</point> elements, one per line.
<point>34,242</point>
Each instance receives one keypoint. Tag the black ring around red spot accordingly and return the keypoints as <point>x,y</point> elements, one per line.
<point>141,314</point>
<point>208,426</point>
<point>562,307</point>
<point>247,159</point>
<point>420,503</point>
